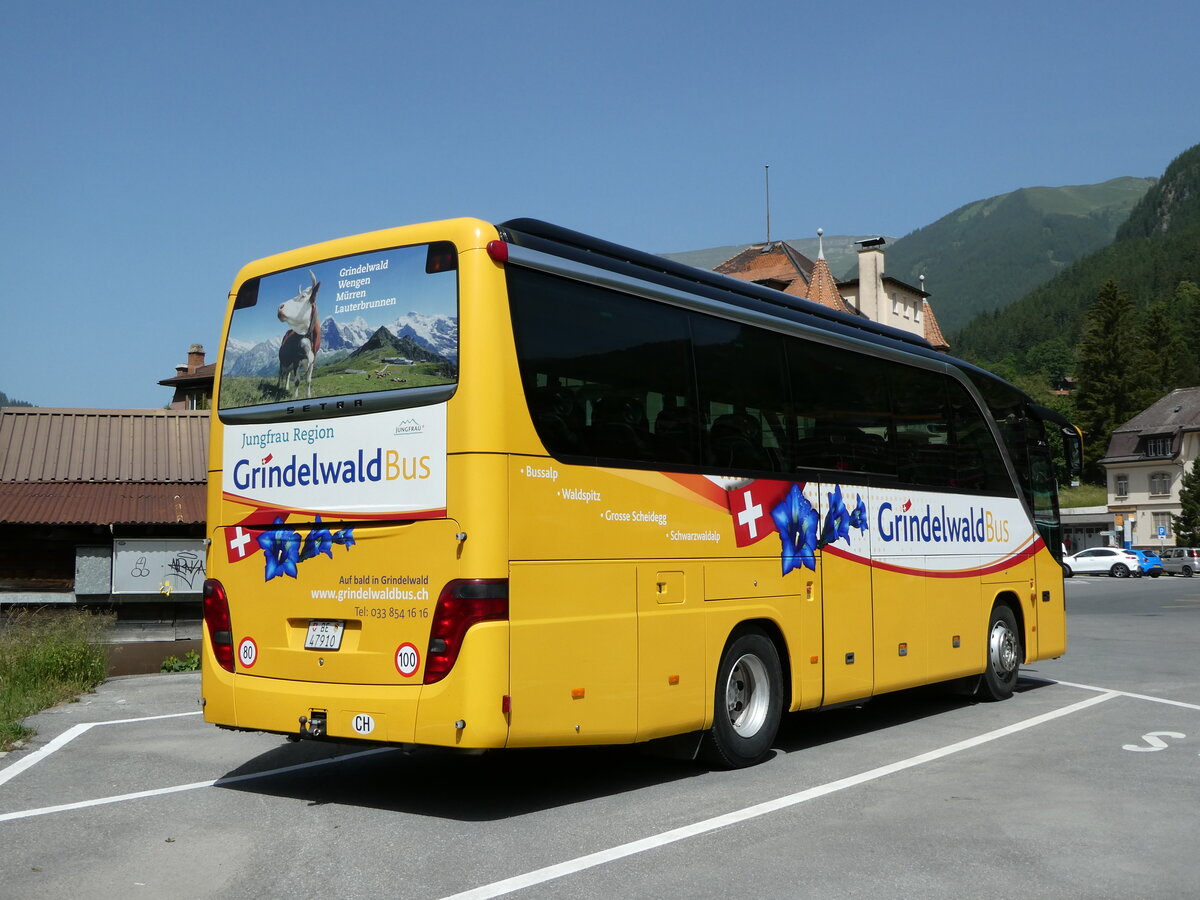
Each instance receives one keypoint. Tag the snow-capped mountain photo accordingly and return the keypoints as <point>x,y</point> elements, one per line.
<point>350,335</point>
<point>438,334</point>
<point>244,358</point>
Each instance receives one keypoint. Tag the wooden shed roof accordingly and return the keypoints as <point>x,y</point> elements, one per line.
<point>103,445</point>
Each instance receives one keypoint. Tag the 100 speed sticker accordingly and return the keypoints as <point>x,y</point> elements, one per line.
<point>408,660</point>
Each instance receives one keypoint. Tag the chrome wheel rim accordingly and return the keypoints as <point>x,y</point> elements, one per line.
<point>1002,648</point>
<point>747,695</point>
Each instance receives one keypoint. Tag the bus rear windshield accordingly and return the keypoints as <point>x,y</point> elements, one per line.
<point>380,321</point>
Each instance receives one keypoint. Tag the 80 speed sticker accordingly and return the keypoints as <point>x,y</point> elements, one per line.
<point>248,653</point>
<point>408,660</point>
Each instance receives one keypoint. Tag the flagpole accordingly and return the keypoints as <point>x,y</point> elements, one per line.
<point>767,178</point>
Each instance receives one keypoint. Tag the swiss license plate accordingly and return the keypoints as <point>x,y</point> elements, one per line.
<point>324,635</point>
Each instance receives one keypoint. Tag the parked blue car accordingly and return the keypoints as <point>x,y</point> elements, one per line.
<point>1149,563</point>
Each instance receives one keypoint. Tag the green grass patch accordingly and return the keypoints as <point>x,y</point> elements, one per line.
<point>47,656</point>
<point>1084,495</point>
<point>338,379</point>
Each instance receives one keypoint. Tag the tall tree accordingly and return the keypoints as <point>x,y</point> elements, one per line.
<point>1185,307</point>
<point>1110,362</point>
<point>1186,525</point>
<point>1169,361</point>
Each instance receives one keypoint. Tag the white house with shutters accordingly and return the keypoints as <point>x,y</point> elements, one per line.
<point>1146,460</point>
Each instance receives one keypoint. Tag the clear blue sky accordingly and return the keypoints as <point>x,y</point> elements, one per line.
<point>152,148</point>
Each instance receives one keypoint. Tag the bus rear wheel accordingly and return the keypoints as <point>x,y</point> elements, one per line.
<point>748,702</point>
<point>1003,657</point>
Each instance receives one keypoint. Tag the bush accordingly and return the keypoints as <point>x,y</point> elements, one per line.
<point>189,663</point>
<point>47,656</point>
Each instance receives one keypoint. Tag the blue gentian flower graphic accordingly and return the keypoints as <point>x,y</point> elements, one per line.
<point>319,540</point>
<point>345,537</point>
<point>797,523</point>
<point>281,548</point>
<point>858,518</point>
<point>837,519</point>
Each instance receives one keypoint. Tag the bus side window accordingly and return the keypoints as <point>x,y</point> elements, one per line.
<point>743,388</point>
<point>844,396</point>
<point>977,461</point>
<point>615,352</point>
<point>922,427</point>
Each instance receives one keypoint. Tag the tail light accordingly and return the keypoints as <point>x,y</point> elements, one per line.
<point>498,250</point>
<point>216,618</point>
<point>461,604</point>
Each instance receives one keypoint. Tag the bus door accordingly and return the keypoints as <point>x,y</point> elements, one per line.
<point>672,690</point>
<point>573,644</point>
<point>844,561</point>
<point>899,581</point>
<point>1049,600</point>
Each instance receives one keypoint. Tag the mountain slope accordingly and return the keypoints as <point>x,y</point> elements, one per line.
<point>1156,249</point>
<point>988,254</point>
<point>840,253</point>
<point>384,344</point>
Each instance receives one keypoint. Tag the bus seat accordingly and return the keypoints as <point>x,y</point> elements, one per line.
<point>677,435</point>
<point>735,441</point>
<point>619,428</point>
<point>554,414</point>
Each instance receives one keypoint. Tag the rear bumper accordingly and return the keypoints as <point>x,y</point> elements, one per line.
<point>463,710</point>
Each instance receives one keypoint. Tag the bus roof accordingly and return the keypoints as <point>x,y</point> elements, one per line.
<point>583,248</point>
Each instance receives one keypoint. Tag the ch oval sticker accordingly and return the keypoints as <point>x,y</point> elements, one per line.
<point>363,724</point>
<point>408,660</point>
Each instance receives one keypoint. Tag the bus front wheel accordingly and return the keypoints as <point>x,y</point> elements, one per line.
<point>748,702</point>
<point>1004,655</point>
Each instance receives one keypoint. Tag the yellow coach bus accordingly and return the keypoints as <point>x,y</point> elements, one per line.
<point>486,486</point>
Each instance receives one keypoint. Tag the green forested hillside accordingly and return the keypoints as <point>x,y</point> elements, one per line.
<point>987,254</point>
<point>5,400</point>
<point>1156,250</point>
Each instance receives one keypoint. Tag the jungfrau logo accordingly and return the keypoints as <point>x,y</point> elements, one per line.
<point>408,426</point>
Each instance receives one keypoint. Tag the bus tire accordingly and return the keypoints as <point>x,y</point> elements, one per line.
<point>1004,655</point>
<point>747,702</point>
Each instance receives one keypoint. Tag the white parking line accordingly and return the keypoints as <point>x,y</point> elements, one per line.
<point>570,867</point>
<point>1092,687</point>
<point>195,785</point>
<point>11,772</point>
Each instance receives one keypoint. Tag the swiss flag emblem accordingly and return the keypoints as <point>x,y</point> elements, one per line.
<point>750,507</point>
<point>241,540</point>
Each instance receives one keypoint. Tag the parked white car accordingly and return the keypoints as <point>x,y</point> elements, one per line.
<point>1103,561</point>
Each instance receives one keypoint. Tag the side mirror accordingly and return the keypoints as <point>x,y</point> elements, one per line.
<point>1073,448</point>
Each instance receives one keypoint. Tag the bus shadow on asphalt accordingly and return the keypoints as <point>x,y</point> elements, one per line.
<point>469,787</point>
<point>813,729</point>
<point>480,787</point>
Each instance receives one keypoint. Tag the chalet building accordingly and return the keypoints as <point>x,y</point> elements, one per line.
<point>874,295</point>
<point>1146,460</point>
<point>193,382</point>
<point>106,509</point>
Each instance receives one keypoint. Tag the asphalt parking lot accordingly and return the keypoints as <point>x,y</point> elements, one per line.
<point>1084,784</point>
